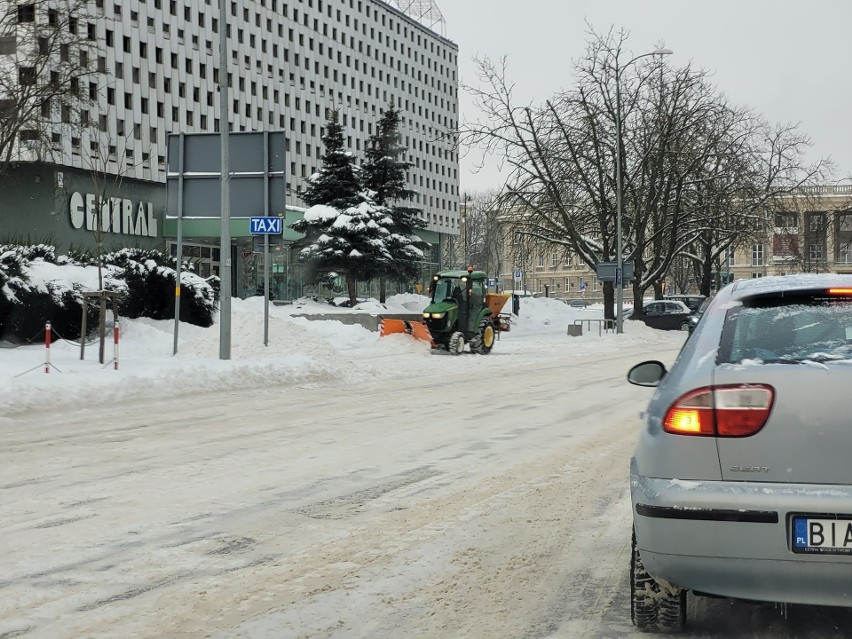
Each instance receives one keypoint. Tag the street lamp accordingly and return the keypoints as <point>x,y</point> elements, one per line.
<point>619,282</point>
<point>465,232</point>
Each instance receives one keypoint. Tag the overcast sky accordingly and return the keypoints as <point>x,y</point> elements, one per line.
<point>787,59</point>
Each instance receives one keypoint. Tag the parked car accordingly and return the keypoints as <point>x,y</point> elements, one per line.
<point>668,315</point>
<point>692,301</point>
<point>696,316</point>
<point>577,303</point>
<point>740,482</point>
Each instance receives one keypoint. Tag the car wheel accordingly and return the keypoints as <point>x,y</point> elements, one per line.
<point>456,343</point>
<point>684,326</point>
<point>654,604</point>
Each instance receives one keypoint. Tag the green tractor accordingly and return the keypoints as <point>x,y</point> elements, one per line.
<point>462,311</point>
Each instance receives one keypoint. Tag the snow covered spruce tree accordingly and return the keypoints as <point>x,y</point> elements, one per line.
<point>345,231</point>
<point>384,176</point>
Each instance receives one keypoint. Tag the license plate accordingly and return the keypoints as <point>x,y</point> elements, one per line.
<point>817,534</point>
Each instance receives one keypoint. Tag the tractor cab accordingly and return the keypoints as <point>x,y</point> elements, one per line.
<point>448,289</point>
<point>459,294</point>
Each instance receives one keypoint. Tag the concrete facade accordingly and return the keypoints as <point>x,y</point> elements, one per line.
<point>290,61</point>
<point>47,203</point>
<point>156,71</point>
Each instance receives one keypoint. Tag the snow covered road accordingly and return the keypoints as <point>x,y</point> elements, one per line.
<point>489,502</point>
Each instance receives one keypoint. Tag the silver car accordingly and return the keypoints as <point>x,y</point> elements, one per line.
<point>741,481</point>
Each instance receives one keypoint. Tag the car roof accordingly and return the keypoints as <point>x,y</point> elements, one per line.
<point>782,283</point>
<point>666,300</point>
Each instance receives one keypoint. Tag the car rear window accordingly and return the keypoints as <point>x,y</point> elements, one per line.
<point>790,328</point>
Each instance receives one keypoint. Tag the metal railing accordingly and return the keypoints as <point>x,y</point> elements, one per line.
<point>604,325</point>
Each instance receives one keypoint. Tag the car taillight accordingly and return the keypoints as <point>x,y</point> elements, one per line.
<point>724,411</point>
<point>692,414</point>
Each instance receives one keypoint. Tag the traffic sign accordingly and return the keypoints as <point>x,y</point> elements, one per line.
<point>258,243</point>
<point>266,225</point>
<point>608,272</point>
<point>582,286</point>
<point>517,276</point>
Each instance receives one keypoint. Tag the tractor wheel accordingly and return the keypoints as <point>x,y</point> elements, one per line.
<point>456,343</point>
<point>483,342</point>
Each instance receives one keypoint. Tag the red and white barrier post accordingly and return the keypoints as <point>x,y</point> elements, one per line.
<point>115,335</point>
<point>47,347</point>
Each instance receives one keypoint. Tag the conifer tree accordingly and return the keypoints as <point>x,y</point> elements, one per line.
<point>338,183</point>
<point>384,172</point>
<point>345,231</point>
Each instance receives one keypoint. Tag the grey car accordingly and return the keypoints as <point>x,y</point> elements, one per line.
<point>667,315</point>
<point>741,481</point>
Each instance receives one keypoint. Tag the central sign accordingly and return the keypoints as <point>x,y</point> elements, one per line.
<point>266,225</point>
<point>112,215</point>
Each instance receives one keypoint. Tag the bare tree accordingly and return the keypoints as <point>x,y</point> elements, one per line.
<point>108,164</point>
<point>481,237</point>
<point>48,60</point>
<point>692,165</point>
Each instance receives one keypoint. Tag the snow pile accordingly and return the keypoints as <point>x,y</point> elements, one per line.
<point>300,351</point>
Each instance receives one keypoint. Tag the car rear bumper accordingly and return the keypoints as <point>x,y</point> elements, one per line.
<point>733,539</point>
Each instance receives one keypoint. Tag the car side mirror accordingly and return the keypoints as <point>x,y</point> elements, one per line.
<point>647,373</point>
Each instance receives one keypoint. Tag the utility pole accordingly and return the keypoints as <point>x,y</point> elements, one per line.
<point>225,239</point>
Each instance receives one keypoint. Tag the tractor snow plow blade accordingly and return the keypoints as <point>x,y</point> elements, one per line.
<point>419,330</point>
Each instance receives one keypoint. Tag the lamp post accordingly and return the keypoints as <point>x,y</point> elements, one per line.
<point>225,186</point>
<point>466,232</point>
<point>619,281</point>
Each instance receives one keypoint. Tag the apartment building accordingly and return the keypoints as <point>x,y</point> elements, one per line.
<point>152,68</point>
<point>811,231</point>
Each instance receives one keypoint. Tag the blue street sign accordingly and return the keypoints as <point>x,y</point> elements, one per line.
<point>582,286</point>
<point>266,226</point>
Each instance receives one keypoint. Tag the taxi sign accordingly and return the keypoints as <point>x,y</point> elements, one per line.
<point>266,225</point>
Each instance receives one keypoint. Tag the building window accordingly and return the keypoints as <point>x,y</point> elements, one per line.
<point>815,253</point>
<point>27,76</point>
<point>815,236</point>
<point>8,45</point>
<point>786,221</point>
<point>844,238</point>
<point>757,255</point>
<point>26,12</point>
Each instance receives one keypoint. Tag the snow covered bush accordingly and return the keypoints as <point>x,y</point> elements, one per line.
<point>150,280</point>
<point>33,290</point>
<point>37,286</point>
